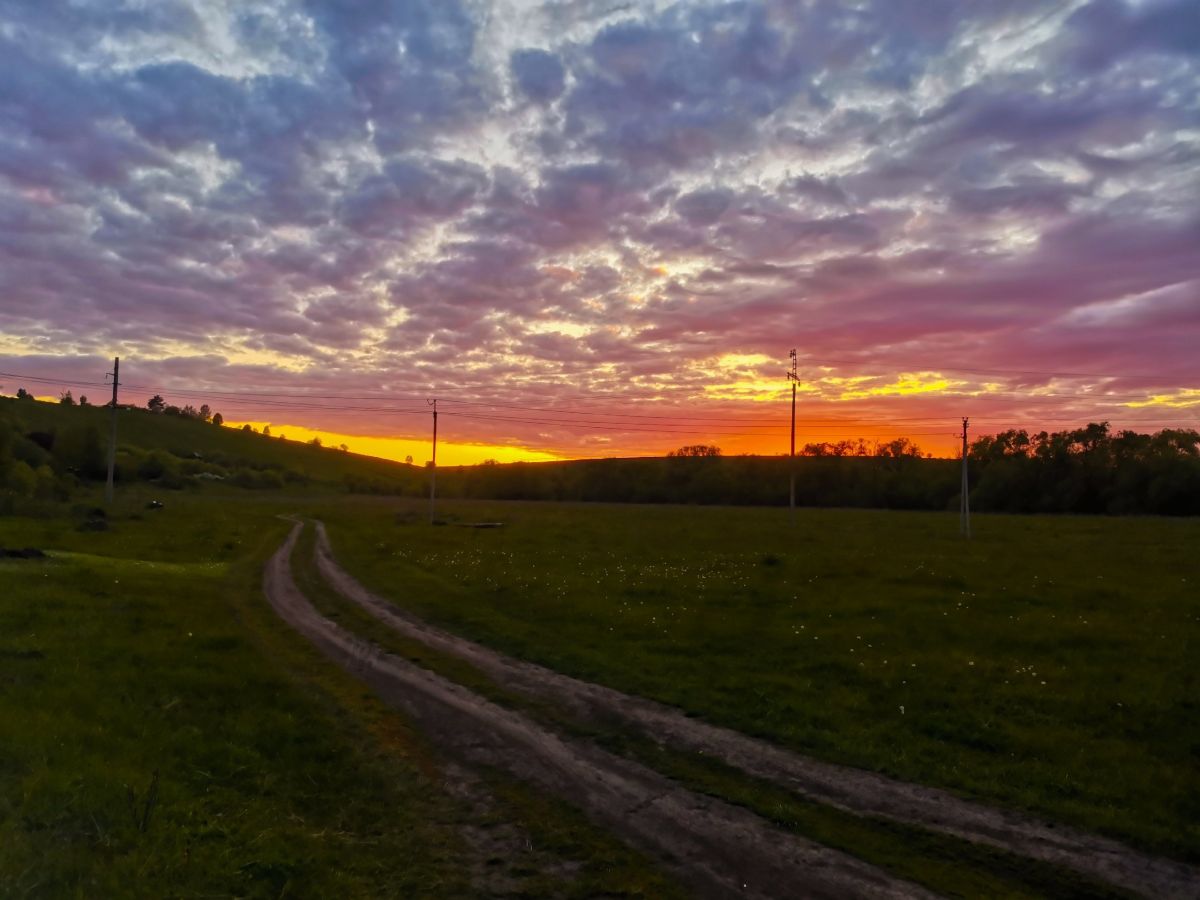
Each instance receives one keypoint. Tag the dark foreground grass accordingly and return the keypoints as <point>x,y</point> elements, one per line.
<point>161,736</point>
<point>1047,665</point>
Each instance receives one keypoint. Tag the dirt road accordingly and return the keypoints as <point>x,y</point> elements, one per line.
<point>852,790</point>
<point>718,849</point>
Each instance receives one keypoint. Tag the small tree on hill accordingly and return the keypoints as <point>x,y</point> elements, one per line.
<point>23,394</point>
<point>66,399</point>
<point>205,412</point>
<point>156,404</point>
<point>83,400</point>
<point>218,419</point>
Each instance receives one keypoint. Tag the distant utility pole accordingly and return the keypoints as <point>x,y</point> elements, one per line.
<point>433,464</point>
<point>112,438</point>
<point>964,522</point>
<point>793,378</point>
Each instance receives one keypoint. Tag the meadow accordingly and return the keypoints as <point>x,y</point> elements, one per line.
<point>1046,665</point>
<point>162,734</point>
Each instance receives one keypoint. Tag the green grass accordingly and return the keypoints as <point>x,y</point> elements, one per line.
<point>949,866</point>
<point>1046,665</point>
<point>147,648</point>
<point>160,735</point>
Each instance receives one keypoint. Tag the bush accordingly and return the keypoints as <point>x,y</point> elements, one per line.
<point>158,464</point>
<point>255,480</point>
<point>21,480</point>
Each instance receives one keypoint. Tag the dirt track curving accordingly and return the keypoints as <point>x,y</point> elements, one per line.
<point>718,849</point>
<point>853,790</point>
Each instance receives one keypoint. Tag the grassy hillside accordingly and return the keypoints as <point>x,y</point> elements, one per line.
<point>73,441</point>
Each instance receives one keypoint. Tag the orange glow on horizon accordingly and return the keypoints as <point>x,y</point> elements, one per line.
<point>398,448</point>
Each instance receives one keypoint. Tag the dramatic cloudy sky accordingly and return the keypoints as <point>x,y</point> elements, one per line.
<point>610,218</point>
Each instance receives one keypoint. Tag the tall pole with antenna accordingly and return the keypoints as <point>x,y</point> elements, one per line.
<point>433,465</point>
<point>964,523</point>
<point>112,437</point>
<point>793,378</point>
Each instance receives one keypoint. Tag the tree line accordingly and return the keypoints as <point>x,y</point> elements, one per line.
<point>1088,470</point>
<point>1084,470</point>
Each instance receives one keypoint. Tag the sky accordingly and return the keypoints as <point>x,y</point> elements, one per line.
<point>598,227</point>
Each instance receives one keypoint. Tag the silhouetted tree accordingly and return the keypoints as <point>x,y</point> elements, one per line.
<point>218,419</point>
<point>66,399</point>
<point>899,448</point>
<point>205,412</point>
<point>83,400</point>
<point>23,394</point>
<point>267,430</point>
<point>156,404</point>
<point>857,447</point>
<point>696,450</point>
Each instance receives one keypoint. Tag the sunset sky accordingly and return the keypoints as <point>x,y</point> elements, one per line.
<point>597,228</point>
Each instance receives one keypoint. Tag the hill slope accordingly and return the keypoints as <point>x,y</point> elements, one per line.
<point>72,441</point>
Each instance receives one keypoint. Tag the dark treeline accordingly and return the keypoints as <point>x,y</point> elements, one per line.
<point>901,483</point>
<point>1087,470</point>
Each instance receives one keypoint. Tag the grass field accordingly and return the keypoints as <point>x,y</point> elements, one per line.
<point>161,734</point>
<point>1047,665</point>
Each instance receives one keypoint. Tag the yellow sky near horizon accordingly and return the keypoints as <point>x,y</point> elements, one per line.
<point>450,453</point>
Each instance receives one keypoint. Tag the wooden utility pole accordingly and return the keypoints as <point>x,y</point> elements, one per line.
<point>964,522</point>
<point>433,465</point>
<point>112,437</point>
<point>793,378</point>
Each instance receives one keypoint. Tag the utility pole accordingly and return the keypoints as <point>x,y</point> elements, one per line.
<point>112,438</point>
<point>964,522</point>
<point>433,464</point>
<point>793,378</point>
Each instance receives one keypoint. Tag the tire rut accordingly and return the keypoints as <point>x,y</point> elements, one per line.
<point>719,850</point>
<point>851,790</point>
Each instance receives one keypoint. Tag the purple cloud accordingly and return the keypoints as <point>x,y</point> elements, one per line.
<point>601,196</point>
